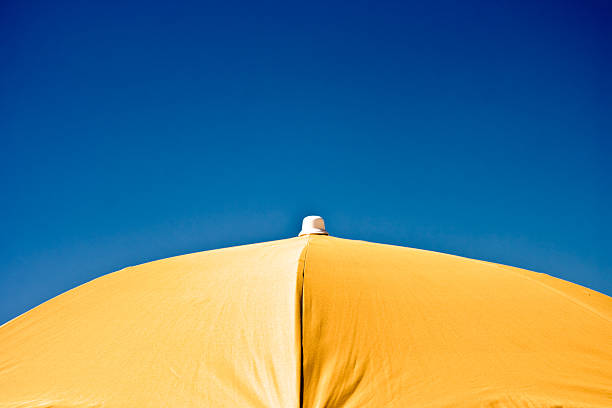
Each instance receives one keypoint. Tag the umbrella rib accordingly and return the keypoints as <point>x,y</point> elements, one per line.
<point>302,324</point>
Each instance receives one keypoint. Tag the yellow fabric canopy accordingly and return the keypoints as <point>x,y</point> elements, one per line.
<point>313,321</point>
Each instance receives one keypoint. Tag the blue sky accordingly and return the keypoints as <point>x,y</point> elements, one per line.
<point>133,131</point>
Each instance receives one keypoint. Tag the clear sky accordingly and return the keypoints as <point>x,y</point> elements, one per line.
<point>133,131</point>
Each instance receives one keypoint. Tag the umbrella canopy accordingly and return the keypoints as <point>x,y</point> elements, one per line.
<point>313,321</point>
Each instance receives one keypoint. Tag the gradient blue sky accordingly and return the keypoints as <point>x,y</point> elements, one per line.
<point>132,131</point>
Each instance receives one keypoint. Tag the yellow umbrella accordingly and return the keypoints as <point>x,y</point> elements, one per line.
<point>313,321</point>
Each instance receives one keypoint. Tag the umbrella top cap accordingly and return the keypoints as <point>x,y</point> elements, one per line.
<point>313,224</point>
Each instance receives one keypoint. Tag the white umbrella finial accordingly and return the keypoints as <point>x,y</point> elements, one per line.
<point>313,224</point>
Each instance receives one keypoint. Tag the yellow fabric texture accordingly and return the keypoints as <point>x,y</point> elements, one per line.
<point>314,321</point>
<point>212,329</point>
<point>387,326</point>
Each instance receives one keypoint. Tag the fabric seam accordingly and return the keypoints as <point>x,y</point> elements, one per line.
<point>302,325</point>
